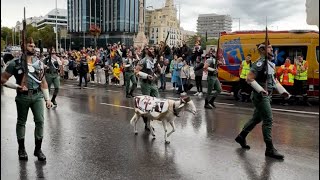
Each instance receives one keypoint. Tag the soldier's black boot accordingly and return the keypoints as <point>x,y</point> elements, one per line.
<point>22,151</point>
<point>207,105</point>
<point>131,93</point>
<point>38,152</point>
<point>272,152</point>
<point>305,101</point>
<point>241,139</point>
<point>211,102</point>
<point>53,100</point>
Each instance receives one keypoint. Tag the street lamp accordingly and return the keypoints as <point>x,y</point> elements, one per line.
<point>239,22</point>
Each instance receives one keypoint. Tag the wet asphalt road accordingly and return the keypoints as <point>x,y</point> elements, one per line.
<point>88,136</point>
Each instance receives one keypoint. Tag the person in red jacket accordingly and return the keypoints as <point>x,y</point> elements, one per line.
<point>286,75</point>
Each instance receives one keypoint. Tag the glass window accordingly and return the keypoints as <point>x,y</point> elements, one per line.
<point>317,52</point>
<point>282,52</point>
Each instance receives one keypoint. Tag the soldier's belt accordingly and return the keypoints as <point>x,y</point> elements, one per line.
<point>29,92</point>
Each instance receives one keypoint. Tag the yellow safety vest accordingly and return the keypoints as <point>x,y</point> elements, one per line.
<point>290,75</point>
<point>301,75</point>
<point>245,69</point>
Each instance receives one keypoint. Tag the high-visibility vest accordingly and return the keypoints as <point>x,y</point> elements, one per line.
<point>245,69</point>
<point>287,78</point>
<point>301,75</point>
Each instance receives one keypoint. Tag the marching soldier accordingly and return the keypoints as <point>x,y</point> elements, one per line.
<point>257,78</point>
<point>213,81</point>
<point>146,70</point>
<point>129,75</point>
<point>31,89</point>
<point>53,69</point>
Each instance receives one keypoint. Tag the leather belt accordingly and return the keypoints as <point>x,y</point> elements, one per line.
<point>29,92</point>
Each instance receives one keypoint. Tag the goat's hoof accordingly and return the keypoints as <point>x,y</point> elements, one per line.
<point>167,142</point>
<point>135,133</point>
<point>153,137</point>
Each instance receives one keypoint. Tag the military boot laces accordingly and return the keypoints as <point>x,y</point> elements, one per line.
<point>242,141</point>
<point>273,153</point>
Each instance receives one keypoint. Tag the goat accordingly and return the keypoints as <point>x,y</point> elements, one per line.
<point>164,110</point>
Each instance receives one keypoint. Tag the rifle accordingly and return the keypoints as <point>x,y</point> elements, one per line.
<point>266,64</point>
<point>217,53</point>
<point>162,50</point>
<point>24,49</point>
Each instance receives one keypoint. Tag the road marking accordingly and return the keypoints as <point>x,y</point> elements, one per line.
<point>117,106</point>
<point>295,111</point>
<point>226,104</point>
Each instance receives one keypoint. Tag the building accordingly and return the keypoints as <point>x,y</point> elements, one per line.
<point>160,22</point>
<point>213,24</point>
<point>31,20</point>
<point>117,20</point>
<point>55,15</point>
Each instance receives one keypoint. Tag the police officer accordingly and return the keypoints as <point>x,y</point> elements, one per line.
<point>244,71</point>
<point>257,78</point>
<point>146,69</point>
<point>129,75</point>
<point>31,89</point>
<point>53,66</point>
<point>213,81</point>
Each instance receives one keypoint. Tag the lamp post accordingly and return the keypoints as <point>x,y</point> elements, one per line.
<point>239,22</point>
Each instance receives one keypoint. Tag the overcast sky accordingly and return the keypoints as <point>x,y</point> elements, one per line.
<point>281,14</point>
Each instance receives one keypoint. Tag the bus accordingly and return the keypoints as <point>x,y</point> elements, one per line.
<point>234,46</point>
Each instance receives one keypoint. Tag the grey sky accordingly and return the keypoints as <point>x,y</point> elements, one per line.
<point>281,14</point>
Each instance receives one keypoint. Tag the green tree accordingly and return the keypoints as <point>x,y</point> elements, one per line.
<point>3,44</point>
<point>6,35</point>
<point>47,36</point>
<point>191,41</point>
<point>212,42</point>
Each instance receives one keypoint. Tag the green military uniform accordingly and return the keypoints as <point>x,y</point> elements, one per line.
<point>262,111</point>
<point>148,87</point>
<point>261,103</point>
<point>33,98</point>
<point>52,75</point>
<point>213,83</point>
<point>129,76</point>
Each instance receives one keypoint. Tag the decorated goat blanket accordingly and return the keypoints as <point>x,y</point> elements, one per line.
<point>152,105</point>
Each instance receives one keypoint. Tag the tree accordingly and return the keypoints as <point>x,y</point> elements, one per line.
<point>48,37</point>
<point>212,42</point>
<point>3,44</point>
<point>6,35</point>
<point>192,40</point>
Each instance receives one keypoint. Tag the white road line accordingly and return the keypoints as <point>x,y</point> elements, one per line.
<point>112,91</point>
<point>117,106</point>
<point>295,111</point>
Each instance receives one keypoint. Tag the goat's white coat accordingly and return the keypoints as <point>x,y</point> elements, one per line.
<point>168,116</point>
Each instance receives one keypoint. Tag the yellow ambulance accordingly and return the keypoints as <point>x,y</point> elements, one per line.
<point>234,46</point>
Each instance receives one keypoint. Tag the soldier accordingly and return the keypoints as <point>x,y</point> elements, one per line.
<point>146,70</point>
<point>213,81</point>
<point>257,78</point>
<point>129,75</point>
<point>53,67</point>
<point>31,89</point>
<point>83,71</point>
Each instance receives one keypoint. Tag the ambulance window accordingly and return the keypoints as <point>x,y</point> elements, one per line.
<point>317,51</point>
<point>282,52</point>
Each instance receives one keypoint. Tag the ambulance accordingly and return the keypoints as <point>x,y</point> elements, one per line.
<point>235,46</point>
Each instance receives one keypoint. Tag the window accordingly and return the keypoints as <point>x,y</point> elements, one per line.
<point>317,53</point>
<point>282,52</point>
